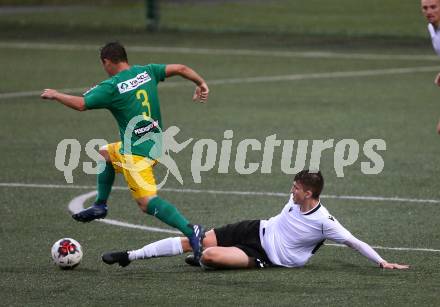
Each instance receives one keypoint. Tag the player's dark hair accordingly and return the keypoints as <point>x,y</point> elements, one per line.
<point>312,181</point>
<point>115,52</point>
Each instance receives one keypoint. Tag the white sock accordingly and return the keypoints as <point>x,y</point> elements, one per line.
<point>165,247</point>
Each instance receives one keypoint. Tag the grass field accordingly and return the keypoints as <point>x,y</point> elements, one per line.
<point>355,86</point>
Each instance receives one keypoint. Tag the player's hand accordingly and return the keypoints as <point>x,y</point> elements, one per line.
<point>393,266</point>
<point>437,80</point>
<point>201,93</point>
<point>49,94</point>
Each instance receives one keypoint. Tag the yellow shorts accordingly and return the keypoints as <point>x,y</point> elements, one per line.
<point>137,170</point>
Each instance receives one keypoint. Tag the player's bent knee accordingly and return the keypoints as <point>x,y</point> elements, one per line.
<point>143,203</point>
<point>103,151</point>
<point>210,257</point>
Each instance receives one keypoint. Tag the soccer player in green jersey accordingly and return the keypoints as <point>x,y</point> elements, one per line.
<point>131,95</point>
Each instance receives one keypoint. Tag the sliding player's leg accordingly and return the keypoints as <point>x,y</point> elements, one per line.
<point>162,248</point>
<point>140,178</point>
<point>238,246</point>
<point>220,257</point>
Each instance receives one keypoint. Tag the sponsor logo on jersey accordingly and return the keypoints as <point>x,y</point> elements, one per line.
<point>133,83</point>
<point>146,129</point>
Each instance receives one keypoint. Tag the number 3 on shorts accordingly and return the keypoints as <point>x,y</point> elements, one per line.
<point>142,95</point>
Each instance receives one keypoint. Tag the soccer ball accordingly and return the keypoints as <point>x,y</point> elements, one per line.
<point>67,253</point>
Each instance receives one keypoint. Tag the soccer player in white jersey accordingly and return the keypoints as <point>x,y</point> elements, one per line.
<point>431,10</point>
<point>288,239</point>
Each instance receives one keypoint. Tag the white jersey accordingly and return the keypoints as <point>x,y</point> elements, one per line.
<point>435,38</point>
<point>291,238</point>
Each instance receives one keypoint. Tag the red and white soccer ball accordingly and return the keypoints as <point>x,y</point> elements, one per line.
<point>67,253</point>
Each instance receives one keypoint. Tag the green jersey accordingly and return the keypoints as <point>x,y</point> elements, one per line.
<point>132,94</point>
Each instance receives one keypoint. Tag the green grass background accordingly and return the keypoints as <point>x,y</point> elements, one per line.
<point>401,109</point>
<point>336,18</point>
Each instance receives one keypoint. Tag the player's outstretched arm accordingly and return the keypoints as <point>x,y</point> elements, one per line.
<point>74,102</point>
<point>202,90</point>
<point>438,127</point>
<point>336,232</point>
<point>367,251</point>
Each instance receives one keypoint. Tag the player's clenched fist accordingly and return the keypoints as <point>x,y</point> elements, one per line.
<point>201,93</point>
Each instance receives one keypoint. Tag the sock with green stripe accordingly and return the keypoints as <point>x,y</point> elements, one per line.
<point>169,214</point>
<point>105,181</point>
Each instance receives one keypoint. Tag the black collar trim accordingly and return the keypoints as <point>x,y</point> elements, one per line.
<point>314,210</point>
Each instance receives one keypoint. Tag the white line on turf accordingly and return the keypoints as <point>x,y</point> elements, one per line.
<point>224,52</point>
<point>218,192</point>
<point>77,204</point>
<point>329,75</point>
<point>37,93</point>
<point>291,77</point>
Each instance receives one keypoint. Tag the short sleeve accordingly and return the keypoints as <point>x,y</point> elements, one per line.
<point>334,231</point>
<point>99,97</point>
<point>159,71</point>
